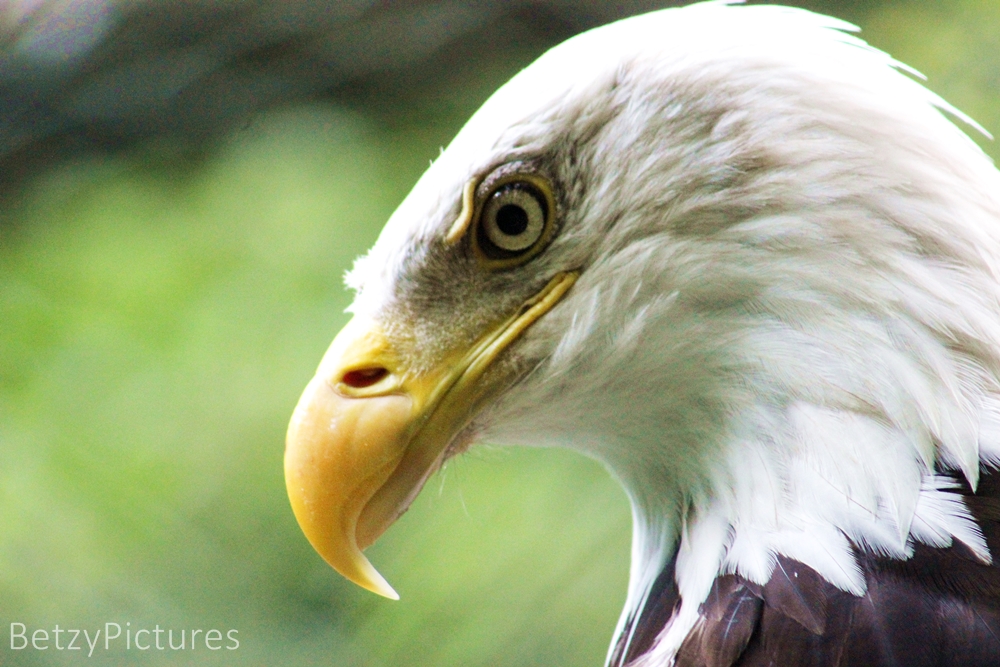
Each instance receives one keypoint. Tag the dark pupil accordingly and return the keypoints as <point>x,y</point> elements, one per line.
<point>512,219</point>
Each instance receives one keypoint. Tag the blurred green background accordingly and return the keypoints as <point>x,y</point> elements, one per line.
<point>159,316</point>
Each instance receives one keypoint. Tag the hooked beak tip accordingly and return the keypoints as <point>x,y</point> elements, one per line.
<point>338,453</point>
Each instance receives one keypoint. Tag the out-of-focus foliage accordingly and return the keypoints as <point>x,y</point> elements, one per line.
<point>157,323</point>
<point>158,326</point>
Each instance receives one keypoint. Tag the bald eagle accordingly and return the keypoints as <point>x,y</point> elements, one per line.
<point>749,264</point>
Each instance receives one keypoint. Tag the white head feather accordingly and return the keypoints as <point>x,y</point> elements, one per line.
<point>787,319</point>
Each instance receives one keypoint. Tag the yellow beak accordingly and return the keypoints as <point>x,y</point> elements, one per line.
<point>368,432</point>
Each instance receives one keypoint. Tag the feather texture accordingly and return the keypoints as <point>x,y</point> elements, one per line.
<point>938,607</point>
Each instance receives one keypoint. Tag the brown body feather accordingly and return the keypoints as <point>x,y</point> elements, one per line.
<point>939,608</point>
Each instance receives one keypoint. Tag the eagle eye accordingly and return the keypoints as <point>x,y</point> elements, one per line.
<point>514,217</point>
<point>515,221</point>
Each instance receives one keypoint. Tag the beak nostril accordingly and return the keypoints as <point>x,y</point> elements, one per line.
<point>363,377</point>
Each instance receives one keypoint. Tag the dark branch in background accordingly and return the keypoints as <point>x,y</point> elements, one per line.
<point>97,75</point>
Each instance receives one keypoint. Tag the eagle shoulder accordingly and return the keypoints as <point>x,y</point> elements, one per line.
<point>939,608</point>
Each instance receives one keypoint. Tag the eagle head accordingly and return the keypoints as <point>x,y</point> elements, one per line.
<point>734,254</point>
